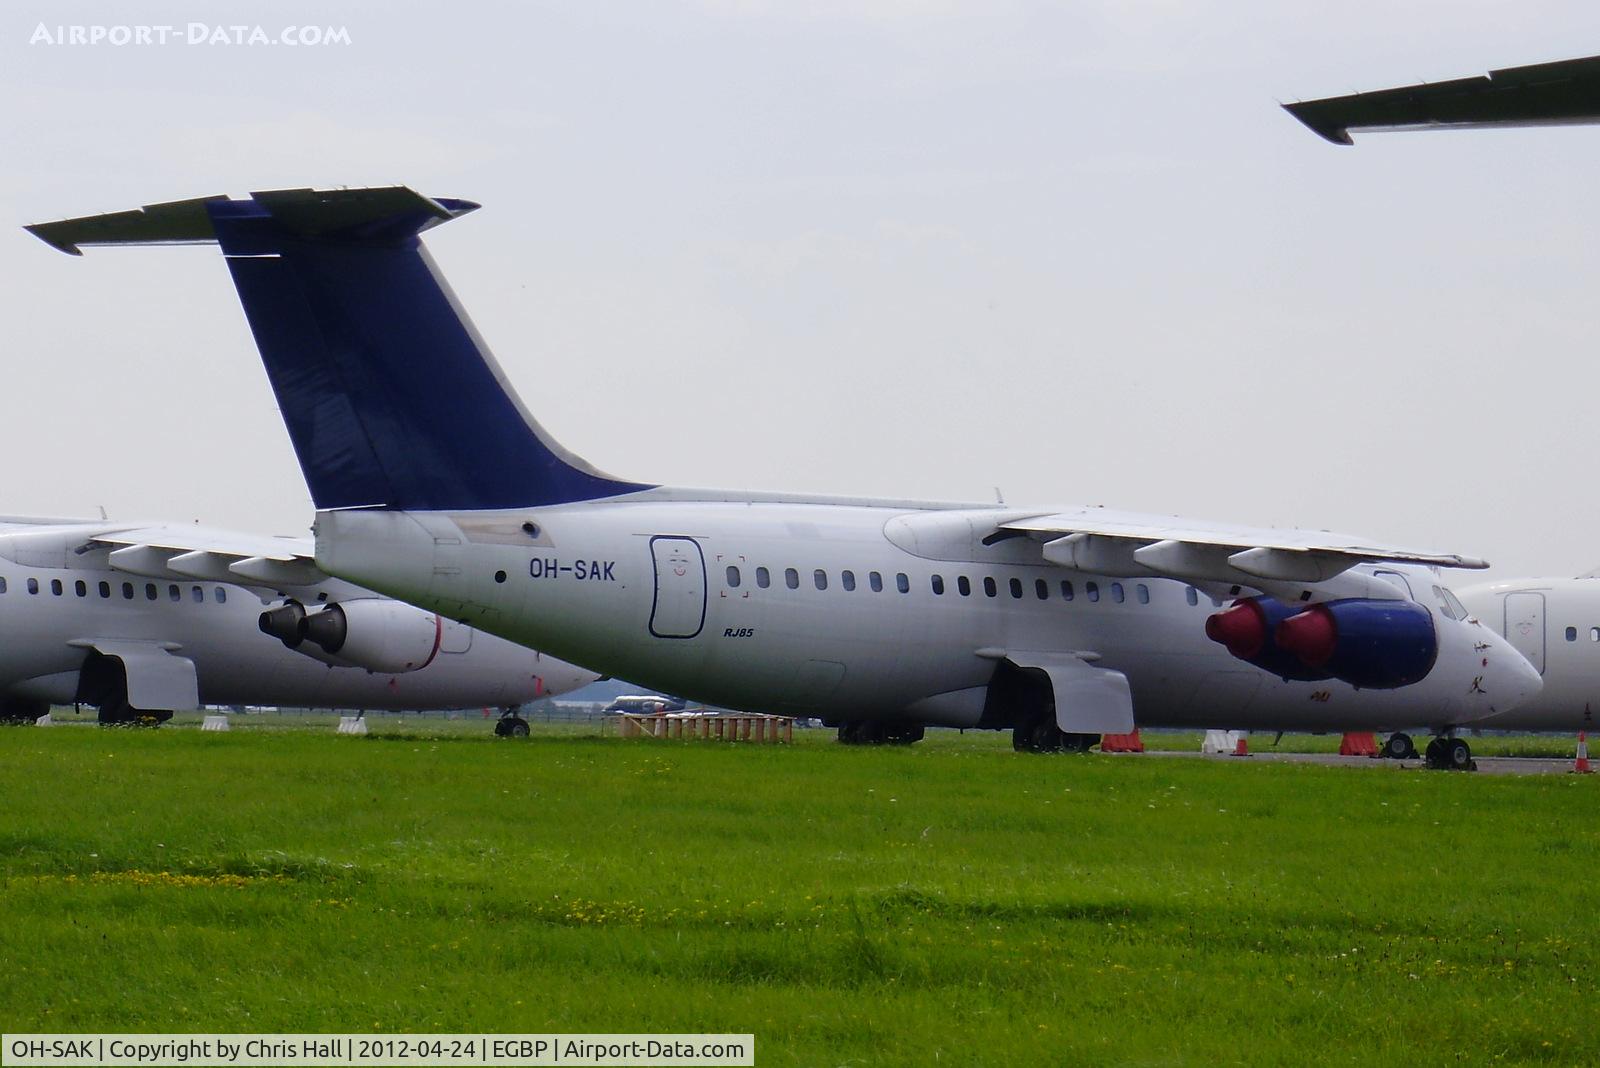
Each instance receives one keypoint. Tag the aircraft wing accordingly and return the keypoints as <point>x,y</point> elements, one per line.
<point>212,555</point>
<point>1563,93</point>
<point>1298,565</point>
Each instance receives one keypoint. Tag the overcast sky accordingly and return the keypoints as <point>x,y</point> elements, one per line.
<point>1075,251</point>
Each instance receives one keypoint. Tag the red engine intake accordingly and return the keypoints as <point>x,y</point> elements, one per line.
<point>1249,630</point>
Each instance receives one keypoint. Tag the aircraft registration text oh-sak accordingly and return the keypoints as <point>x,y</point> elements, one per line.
<point>435,485</point>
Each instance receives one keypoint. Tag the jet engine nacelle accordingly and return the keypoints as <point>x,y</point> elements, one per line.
<point>1370,644</point>
<point>1249,630</point>
<point>379,635</point>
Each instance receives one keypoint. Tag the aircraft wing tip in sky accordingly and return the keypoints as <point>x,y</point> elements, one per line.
<point>1566,92</point>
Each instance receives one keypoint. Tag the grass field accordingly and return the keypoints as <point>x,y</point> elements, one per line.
<point>947,903</point>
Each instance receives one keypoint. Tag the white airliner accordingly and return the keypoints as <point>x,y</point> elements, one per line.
<point>434,485</point>
<point>1555,624</point>
<point>142,620</point>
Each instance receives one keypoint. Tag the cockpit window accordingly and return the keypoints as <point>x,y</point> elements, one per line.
<point>1449,605</point>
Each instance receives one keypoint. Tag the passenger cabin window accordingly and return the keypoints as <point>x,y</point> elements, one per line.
<point>1041,589</point>
<point>222,595</point>
<point>196,593</point>
<point>964,586</point>
<point>33,585</point>
<point>733,577</point>
<point>1091,590</point>
<point>1572,634</point>
<point>820,578</point>
<point>1016,587</point>
<point>1191,595</point>
<point>763,577</point>
<point>174,594</point>
<point>2,584</point>
<point>1066,589</point>
<point>81,588</point>
<point>150,591</point>
<point>1116,592</point>
<point>1142,592</point>
<point>127,591</point>
<point>847,579</point>
<point>1594,634</point>
<point>791,578</point>
<point>875,580</point>
<point>938,584</point>
<point>55,587</point>
<point>989,588</point>
<point>902,583</point>
<point>105,589</point>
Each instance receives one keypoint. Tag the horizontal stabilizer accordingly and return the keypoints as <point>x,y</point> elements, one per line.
<point>1564,93</point>
<point>386,214</point>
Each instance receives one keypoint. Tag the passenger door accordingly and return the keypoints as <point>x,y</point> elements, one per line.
<point>679,610</point>
<point>1525,626</point>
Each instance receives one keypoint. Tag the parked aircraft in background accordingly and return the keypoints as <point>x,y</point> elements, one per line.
<point>1555,624</point>
<point>434,484</point>
<point>141,620</point>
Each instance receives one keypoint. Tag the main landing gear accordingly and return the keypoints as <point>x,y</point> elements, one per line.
<point>1043,736</point>
<point>876,732</point>
<point>1450,754</point>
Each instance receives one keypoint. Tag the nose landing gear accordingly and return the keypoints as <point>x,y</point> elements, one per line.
<point>511,725</point>
<point>1399,746</point>
<point>1450,754</point>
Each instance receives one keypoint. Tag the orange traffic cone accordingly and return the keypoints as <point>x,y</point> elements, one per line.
<point>1581,764</point>
<point>1358,743</point>
<point>1243,748</point>
<point>1122,743</point>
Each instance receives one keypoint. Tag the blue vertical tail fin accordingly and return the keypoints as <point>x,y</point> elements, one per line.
<point>390,397</point>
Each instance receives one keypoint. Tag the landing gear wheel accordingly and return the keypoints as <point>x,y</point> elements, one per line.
<point>511,727</point>
<point>1038,736</point>
<point>860,732</point>
<point>1458,755</point>
<point>1400,747</point>
<point>126,715</point>
<point>1434,754</point>
<point>904,734</point>
<point>1079,743</point>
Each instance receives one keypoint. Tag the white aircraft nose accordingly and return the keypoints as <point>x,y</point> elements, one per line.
<point>1517,679</point>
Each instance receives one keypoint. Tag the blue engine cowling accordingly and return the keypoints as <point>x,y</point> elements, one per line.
<point>1371,644</point>
<point>1248,629</point>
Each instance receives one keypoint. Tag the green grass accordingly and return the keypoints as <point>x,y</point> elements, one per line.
<point>948,903</point>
